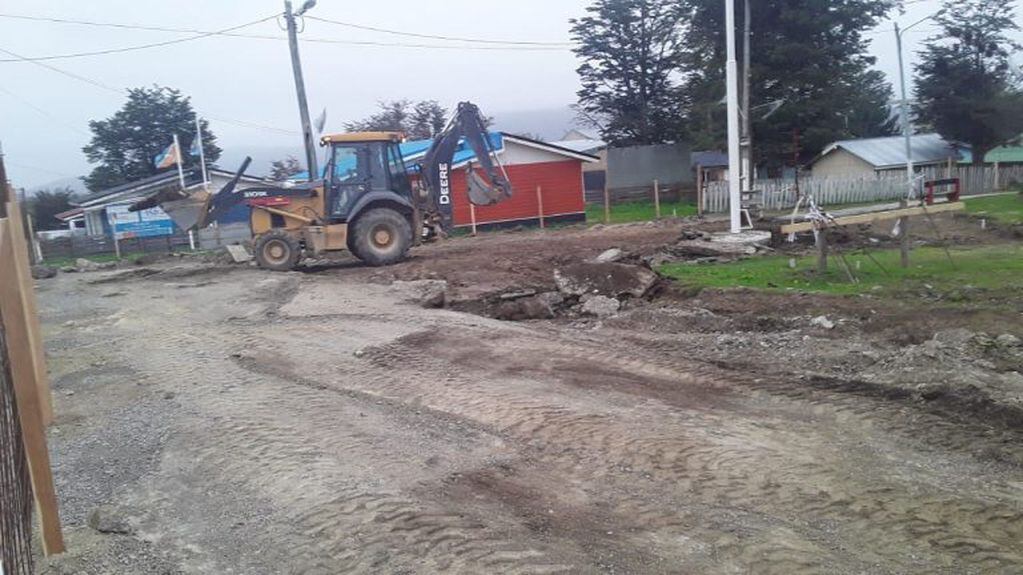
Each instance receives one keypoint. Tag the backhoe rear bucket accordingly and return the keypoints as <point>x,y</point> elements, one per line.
<point>189,212</point>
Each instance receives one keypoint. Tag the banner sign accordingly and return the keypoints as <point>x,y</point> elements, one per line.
<point>142,224</point>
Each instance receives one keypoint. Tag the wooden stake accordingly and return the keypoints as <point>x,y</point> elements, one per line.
<point>822,251</point>
<point>18,339</point>
<point>472,216</point>
<point>22,275</point>
<point>607,203</point>
<point>539,205</point>
<point>657,199</point>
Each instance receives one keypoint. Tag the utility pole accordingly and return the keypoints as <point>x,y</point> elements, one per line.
<point>303,104</point>
<point>904,112</point>
<point>746,137</point>
<point>732,97</point>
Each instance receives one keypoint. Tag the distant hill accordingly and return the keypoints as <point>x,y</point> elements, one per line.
<point>549,123</point>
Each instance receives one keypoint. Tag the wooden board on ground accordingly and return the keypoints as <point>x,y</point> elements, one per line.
<point>18,337</point>
<point>877,216</point>
<point>23,274</point>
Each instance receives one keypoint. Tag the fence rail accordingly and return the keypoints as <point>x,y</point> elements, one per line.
<point>782,194</point>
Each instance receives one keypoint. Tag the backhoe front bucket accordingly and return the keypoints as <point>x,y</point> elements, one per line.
<point>189,212</point>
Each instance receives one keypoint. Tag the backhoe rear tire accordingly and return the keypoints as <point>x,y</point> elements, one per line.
<point>277,250</point>
<point>382,237</point>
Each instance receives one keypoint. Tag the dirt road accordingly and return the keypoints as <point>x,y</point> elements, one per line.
<point>240,421</point>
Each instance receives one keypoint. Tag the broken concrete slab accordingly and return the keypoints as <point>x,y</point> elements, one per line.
<point>238,253</point>
<point>607,279</point>
<point>601,306</point>
<point>42,272</point>
<point>427,293</point>
<point>111,520</point>
<point>523,309</point>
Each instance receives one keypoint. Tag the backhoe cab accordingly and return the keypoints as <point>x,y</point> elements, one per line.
<point>364,203</point>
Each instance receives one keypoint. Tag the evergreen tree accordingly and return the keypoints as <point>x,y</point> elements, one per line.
<point>125,144</point>
<point>419,121</point>
<point>631,52</point>
<point>808,59</point>
<point>967,89</point>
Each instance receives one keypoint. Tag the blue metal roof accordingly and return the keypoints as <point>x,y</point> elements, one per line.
<point>413,150</point>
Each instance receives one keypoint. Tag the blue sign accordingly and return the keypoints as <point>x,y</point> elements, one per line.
<point>142,224</point>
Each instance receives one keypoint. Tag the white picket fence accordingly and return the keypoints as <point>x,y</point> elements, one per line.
<point>781,194</point>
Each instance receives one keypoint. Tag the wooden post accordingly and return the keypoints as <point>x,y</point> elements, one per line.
<point>997,184</point>
<point>20,353</point>
<point>948,168</point>
<point>657,199</point>
<point>699,190</point>
<point>21,274</point>
<point>904,241</point>
<point>607,203</point>
<point>472,216</point>
<point>539,205</point>
<point>822,251</point>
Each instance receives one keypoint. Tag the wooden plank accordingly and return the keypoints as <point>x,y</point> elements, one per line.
<point>871,217</point>
<point>26,392</point>
<point>23,274</point>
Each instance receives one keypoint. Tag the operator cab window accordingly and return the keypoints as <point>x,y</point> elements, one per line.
<point>356,169</point>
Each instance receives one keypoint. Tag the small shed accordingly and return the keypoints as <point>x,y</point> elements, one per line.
<point>871,157</point>
<point>539,172</point>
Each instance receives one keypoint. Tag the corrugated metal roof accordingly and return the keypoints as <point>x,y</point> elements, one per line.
<point>1005,155</point>
<point>890,152</point>
<point>585,146</point>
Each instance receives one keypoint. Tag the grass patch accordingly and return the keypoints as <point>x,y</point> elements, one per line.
<point>640,211</point>
<point>1006,208</point>
<point>98,258</point>
<point>990,268</point>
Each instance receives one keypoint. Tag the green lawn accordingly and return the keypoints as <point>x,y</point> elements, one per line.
<point>991,267</point>
<point>98,258</point>
<point>638,211</point>
<point>1007,208</point>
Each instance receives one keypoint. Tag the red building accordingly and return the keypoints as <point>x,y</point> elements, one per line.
<point>531,165</point>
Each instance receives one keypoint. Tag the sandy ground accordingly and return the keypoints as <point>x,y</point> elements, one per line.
<point>233,420</point>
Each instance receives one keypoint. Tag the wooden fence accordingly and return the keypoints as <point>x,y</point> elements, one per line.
<point>82,246</point>
<point>25,408</point>
<point>782,194</point>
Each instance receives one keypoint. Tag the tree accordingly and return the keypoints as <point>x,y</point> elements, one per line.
<point>125,144</point>
<point>966,87</point>
<point>631,52</point>
<point>419,121</point>
<point>281,170</point>
<point>808,59</point>
<point>45,204</point>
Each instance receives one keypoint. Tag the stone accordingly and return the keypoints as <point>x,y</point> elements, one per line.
<point>823,322</point>
<point>238,253</point>
<point>609,256</point>
<point>427,293</point>
<point>85,265</point>
<point>601,306</point>
<point>1007,340</point>
<point>43,272</point>
<point>607,279</point>
<point>69,269</point>
<point>108,519</point>
<point>523,309</point>
<point>552,299</point>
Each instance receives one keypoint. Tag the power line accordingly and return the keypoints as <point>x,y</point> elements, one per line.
<point>439,37</point>
<point>122,91</point>
<point>198,36</point>
<point>43,112</point>
<point>494,45</point>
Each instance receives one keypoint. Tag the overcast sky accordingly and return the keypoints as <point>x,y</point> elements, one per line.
<point>44,114</point>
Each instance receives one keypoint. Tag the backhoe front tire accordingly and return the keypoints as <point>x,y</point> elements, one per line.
<point>277,250</point>
<point>382,237</point>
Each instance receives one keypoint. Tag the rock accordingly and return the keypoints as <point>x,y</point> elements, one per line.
<point>609,256</point>
<point>552,299</point>
<point>43,272</point>
<point>85,265</point>
<point>169,395</point>
<point>701,247</point>
<point>108,519</point>
<point>1007,340</point>
<point>607,279</point>
<point>238,253</point>
<point>69,269</point>
<point>523,309</point>
<point>601,306</point>
<point>823,322</point>
<point>427,293</point>
<point>517,294</point>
